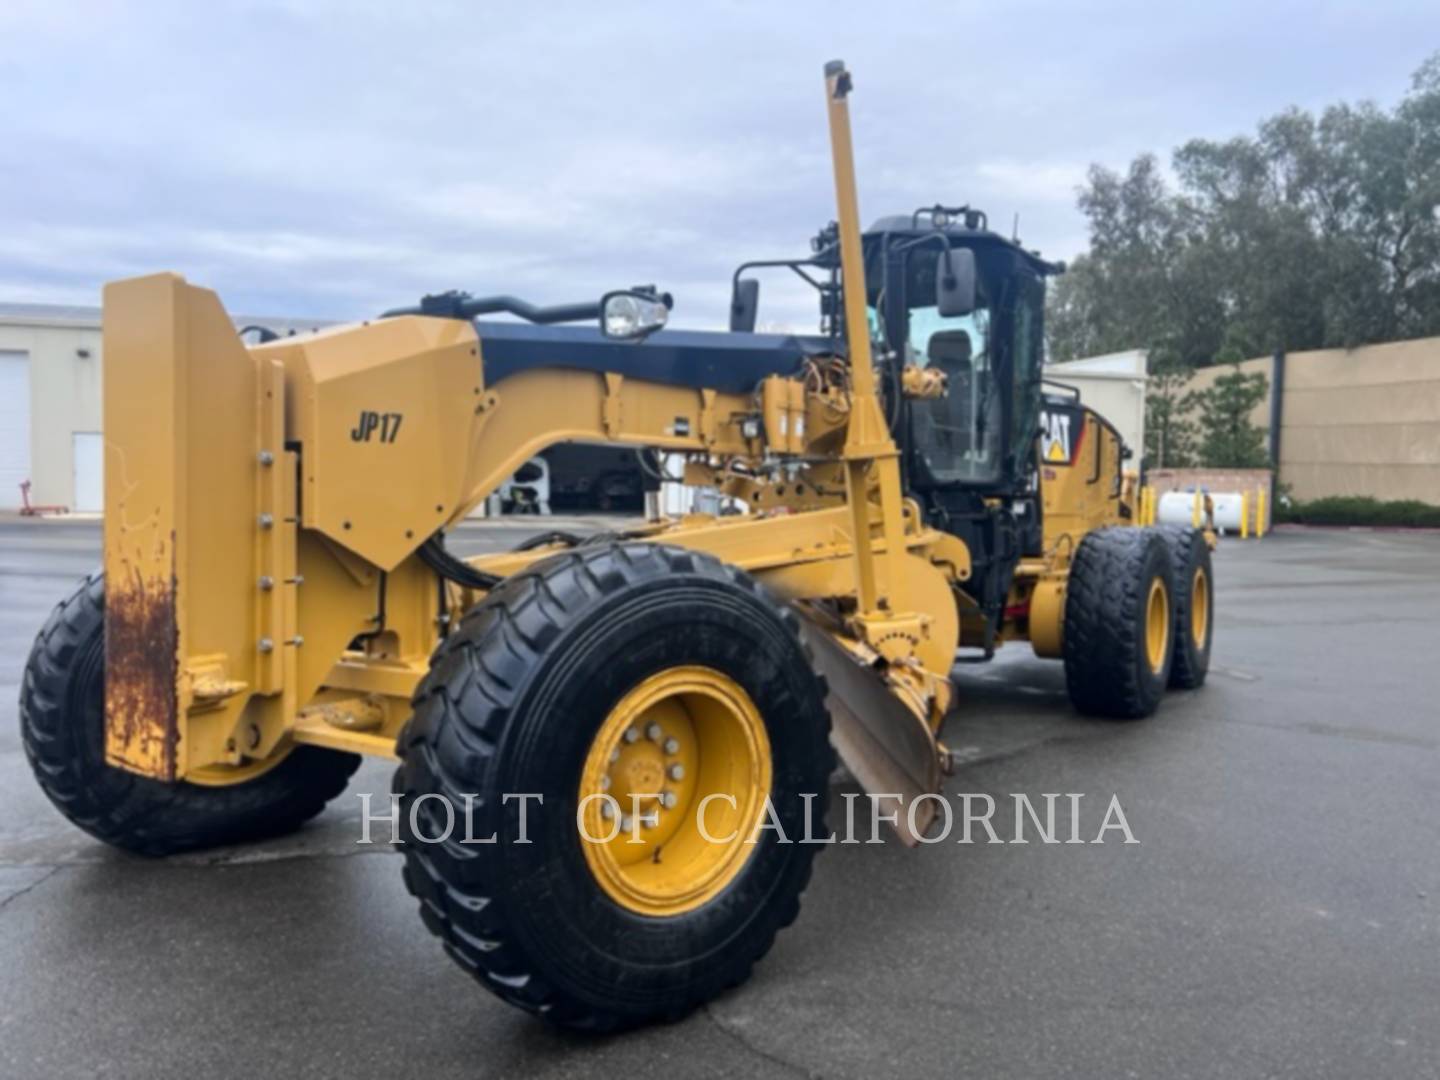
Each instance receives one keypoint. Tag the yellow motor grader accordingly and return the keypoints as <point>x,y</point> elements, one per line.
<point>609,745</point>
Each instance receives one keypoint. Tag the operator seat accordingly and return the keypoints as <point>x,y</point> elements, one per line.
<point>949,351</point>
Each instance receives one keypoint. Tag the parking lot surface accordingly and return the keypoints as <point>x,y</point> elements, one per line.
<point>1278,916</point>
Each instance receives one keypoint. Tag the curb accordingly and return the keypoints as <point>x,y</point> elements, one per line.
<point>14,517</point>
<point>1302,527</point>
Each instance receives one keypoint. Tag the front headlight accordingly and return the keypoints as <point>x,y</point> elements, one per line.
<point>631,314</point>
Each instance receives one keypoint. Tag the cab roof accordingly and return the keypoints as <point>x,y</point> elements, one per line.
<point>918,225</point>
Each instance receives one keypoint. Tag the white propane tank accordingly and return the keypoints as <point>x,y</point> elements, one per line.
<point>1178,508</point>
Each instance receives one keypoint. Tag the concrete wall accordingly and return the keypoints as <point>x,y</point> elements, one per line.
<point>1264,365</point>
<point>1360,421</point>
<point>1363,422</point>
<point>64,398</point>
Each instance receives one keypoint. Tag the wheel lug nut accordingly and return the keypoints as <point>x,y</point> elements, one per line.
<point>604,783</point>
<point>631,734</point>
<point>672,746</point>
<point>614,755</point>
<point>607,811</point>
<point>667,799</point>
<point>653,732</point>
<point>648,822</point>
<point>625,822</point>
<point>677,771</point>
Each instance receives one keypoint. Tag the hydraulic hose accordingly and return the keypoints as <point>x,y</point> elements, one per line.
<point>545,539</point>
<point>433,554</point>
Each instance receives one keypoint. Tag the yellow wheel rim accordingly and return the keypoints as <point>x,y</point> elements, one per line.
<point>682,755</point>
<point>1199,607</point>
<point>228,775</point>
<point>1157,626</point>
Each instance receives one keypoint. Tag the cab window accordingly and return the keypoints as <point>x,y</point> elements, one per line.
<point>957,436</point>
<point>1029,354</point>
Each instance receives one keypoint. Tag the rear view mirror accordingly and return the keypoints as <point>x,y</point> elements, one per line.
<point>744,305</point>
<point>955,282</point>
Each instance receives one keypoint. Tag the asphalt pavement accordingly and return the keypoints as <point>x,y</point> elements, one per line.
<point>1277,917</point>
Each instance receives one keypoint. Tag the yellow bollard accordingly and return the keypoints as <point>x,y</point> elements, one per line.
<point>1244,515</point>
<point>1261,525</point>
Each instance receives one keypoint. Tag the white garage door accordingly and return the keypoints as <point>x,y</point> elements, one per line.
<point>89,451</point>
<point>14,425</point>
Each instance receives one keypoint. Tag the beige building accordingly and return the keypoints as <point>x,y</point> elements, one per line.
<point>1114,386</point>
<point>51,367</point>
<point>50,405</point>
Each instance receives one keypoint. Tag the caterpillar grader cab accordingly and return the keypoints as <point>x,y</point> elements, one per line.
<point>613,750</point>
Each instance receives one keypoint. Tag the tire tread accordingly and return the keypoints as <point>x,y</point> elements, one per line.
<point>129,811</point>
<point>1104,618</point>
<point>501,639</point>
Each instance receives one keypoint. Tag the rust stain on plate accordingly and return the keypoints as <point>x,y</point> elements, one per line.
<point>142,639</point>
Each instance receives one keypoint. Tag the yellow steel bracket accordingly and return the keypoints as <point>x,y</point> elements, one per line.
<point>614,416</point>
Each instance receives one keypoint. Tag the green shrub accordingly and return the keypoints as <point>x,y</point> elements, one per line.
<point>1361,510</point>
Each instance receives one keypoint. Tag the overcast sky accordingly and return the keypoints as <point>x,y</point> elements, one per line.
<point>332,159</point>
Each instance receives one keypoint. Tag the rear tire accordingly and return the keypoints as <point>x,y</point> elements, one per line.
<point>519,699</point>
<point>1194,604</point>
<point>62,725</point>
<point>1114,665</point>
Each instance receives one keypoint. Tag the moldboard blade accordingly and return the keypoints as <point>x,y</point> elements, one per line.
<point>884,744</point>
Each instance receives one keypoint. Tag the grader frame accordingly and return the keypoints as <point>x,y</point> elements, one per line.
<point>265,507</point>
<point>276,597</point>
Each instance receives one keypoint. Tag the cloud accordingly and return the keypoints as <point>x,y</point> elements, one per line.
<point>332,159</point>
<point>1033,181</point>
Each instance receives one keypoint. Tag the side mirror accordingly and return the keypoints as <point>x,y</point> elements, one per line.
<point>955,282</point>
<point>633,314</point>
<point>744,305</point>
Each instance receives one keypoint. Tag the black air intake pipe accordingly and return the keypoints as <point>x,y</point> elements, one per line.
<point>459,305</point>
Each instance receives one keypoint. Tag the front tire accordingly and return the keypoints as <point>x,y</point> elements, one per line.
<point>1118,624</point>
<point>62,725</point>
<point>595,672</point>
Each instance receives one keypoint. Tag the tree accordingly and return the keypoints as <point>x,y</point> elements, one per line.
<point>1314,232</point>
<point>1139,286</point>
<point>1228,440</point>
<point>1169,431</point>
